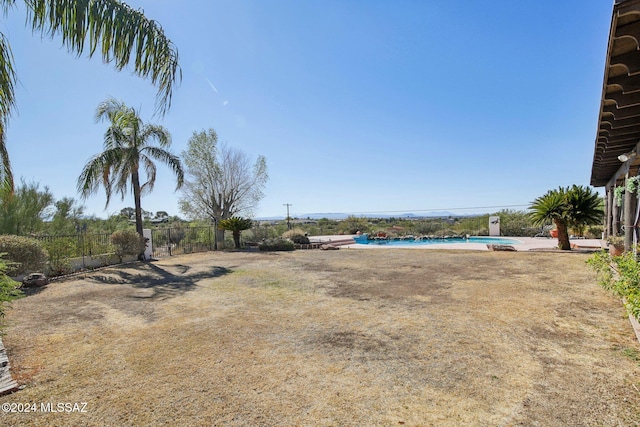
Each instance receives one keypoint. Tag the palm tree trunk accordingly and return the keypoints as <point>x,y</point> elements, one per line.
<point>563,235</point>
<point>135,183</point>
<point>236,239</point>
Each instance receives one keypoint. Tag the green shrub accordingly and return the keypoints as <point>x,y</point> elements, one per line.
<point>28,255</point>
<point>352,224</point>
<point>127,242</point>
<point>515,223</point>
<point>276,245</point>
<point>8,287</point>
<point>60,250</point>
<point>594,232</point>
<point>300,239</point>
<point>619,275</point>
<point>296,235</point>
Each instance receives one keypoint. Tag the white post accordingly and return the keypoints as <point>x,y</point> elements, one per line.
<point>494,226</point>
<point>148,250</point>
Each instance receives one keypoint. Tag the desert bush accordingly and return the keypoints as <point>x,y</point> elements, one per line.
<point>127,242</point>
<point>276,245</point>
<point>8,287</point>
<point>352,224</point>
<point>594,232</point>
<point>297,231</point>
<point>296,235</point>
<point>516,223</point>
<point>300,239</point>
<point>427,227</point>
<point>26,255</point>
<point>60,250</point>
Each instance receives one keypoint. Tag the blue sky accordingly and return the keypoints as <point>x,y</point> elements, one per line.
<point>358,106</point>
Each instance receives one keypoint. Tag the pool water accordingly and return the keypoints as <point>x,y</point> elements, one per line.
<point>410,242</point>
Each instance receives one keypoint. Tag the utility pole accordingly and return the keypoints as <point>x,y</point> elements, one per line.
<point>288,217</point>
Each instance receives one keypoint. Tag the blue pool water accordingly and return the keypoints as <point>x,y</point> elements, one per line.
<point>483,240</point>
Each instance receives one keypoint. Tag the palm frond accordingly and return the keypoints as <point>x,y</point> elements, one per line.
<point>98,171</point>
<point>585,206</point>
<point>5,5</point>
<point>171,160</point>
<point>551,206</point>
<point>7,104</point>
<point>115,30</point>
<point>6,175</point>
<point>150,171</point>
<point>157,132</point>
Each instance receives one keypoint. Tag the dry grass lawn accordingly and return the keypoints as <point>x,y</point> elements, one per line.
<point>329,338</point>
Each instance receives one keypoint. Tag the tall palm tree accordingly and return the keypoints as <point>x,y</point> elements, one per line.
<point>117,32</point>
<point>567,207</point>
<point>126,152</point>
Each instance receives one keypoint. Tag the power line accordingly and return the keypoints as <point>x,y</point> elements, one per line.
<point>425,210</point>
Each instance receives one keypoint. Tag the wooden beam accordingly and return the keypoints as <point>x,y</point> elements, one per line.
<point>630,60</point>
<point>629,30</point>
<point>611,123</point>
<point>624,168</point>
<point>624,100</point>
<point>622,113</point>
<point>628,83</point>
<point>617,139</point>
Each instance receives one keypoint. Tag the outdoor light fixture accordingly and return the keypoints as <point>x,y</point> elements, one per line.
<point>627,156</point>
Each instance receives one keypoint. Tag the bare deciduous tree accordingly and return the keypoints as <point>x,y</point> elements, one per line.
<point>220,180</point>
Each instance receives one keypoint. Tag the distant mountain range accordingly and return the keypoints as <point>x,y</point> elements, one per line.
<point>338,215</point>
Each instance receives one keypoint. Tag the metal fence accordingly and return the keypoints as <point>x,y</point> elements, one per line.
<point>63,248</point>
<point>182,240</point>
<point>165,242</point>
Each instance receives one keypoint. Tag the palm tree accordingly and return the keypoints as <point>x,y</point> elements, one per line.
<point>111,28</point>
<point>126,151</point>
<point>567,207</point>
<point>236,225</point>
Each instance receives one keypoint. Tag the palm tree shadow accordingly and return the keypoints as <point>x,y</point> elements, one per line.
<point>163,283</point>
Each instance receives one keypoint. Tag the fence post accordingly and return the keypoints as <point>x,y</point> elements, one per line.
<point>169,240</point>
<point>148,250</point>
<point>82,248</point>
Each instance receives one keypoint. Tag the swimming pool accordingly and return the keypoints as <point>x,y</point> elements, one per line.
<point>437,241</point>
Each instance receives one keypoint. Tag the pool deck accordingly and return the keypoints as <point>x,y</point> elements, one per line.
<point>526,244</point>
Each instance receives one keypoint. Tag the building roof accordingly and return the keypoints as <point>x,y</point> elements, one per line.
<point>619,118</point>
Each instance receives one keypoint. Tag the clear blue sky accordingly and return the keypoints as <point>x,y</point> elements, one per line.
<point>358,106</point>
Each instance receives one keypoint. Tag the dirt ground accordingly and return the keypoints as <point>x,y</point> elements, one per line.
<point>327,338</point>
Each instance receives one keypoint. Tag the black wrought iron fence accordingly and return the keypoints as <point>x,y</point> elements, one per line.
<point>165,242</point>
<point>76,246</point>
<point>182,240</point>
